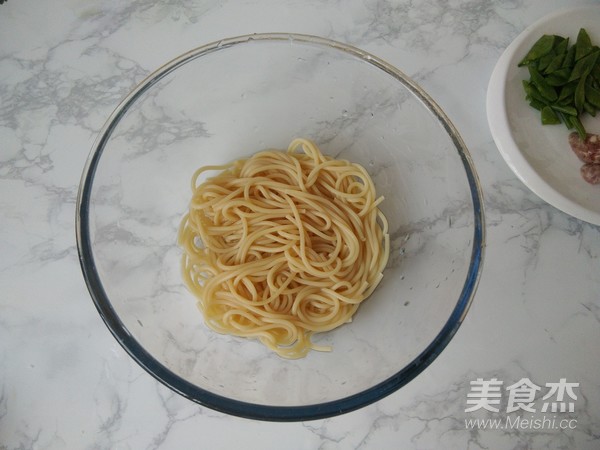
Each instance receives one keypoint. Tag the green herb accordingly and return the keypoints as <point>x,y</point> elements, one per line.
<point>547,91</point>
<point>584,66</point>
<point>583,46</point>
<point>549,117</point>
<point>592,95</point>
<point>564,80</point>
<point>542,47</point>
<point>565,109</point>
<point>580,94</point>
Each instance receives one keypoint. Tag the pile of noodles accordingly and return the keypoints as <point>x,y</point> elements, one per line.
<point>283,245</point>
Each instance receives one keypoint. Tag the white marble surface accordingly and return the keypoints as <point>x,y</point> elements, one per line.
<point>65,382</point>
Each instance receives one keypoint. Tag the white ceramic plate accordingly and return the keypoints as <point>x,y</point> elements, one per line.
<point>540,154</point>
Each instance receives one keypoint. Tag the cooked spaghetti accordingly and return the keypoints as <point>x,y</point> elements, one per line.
<point>283,245</point>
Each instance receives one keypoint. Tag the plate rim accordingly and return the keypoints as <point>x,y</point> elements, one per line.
<point>502,133</point>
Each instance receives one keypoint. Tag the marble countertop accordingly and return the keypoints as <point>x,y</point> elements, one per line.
<point>66,383</point>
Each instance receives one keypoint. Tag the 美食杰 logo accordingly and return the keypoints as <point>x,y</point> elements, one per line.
<point>527,405</point>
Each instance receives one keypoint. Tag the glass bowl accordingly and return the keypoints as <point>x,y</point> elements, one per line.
<point>228,100</point>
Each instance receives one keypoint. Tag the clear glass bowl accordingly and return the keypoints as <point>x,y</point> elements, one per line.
<point>228,100</point>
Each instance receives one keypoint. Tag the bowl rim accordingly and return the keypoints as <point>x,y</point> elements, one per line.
<point>247,409</point>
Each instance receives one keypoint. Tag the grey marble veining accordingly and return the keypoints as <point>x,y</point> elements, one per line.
<point>66,383</point>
